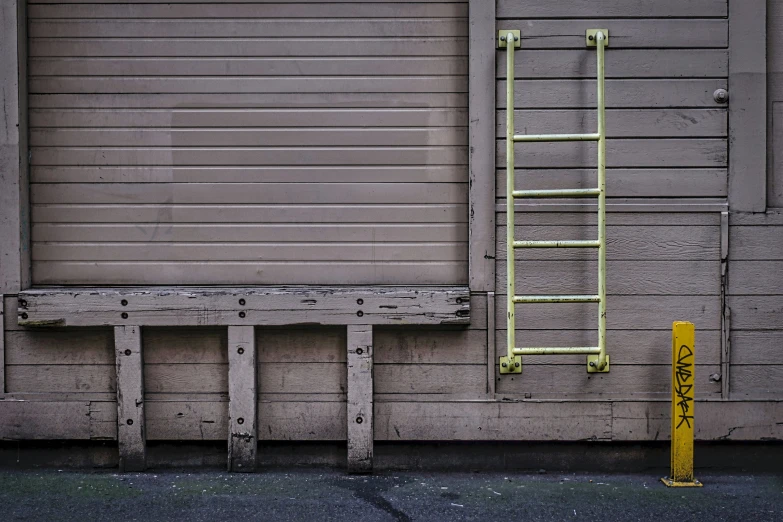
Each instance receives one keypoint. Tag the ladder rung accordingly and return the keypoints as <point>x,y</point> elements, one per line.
<point>557,193</point>
<point>566,350</point>
<point>569,243</point>
<point>556,137</point>
<point>557,299</point>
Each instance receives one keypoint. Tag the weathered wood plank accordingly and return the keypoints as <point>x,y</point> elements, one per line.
<point>611,8</point>
<point>613,204</point>
<point>82,346</point>
<point>756,312</point>
<point>359,410</point>
<point>61,378</point>
<point>559,381</point>
<point>185,378</point>
<point>172,420</point>
<point>760,278</point>
<point>640,278</point>
<point>318,421</point>
<point>56,420</point>
<point>686,182</point>
<point>667,219</point>
<point>623,313</point>
<point>636,93</point>
<point>757,347</point>
<point>626,347</point>
<point>242,406</point>
<point>623,242</point>
<point>627,33</point>
<point>492,421</point>
<point>772,217</point>
<point>748,105</point>
<point>620,123</point>
<point>430,378</point>
<point>721,420</point>
<point>757,381</point>
<point>131,434</point>
<point>623,63</point>
<point>620,153</point>
<point>756,243</point>
<point>249,306</point>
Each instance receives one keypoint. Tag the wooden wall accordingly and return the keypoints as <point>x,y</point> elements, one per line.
<point>666,139</point>
<point>667,178</point>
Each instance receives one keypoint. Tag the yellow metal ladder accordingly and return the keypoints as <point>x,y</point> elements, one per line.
<point>597,359</point>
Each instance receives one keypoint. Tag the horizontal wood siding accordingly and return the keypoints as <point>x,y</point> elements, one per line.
<point>666,138</point>
<point>330,120</point>
<point>755,301</point>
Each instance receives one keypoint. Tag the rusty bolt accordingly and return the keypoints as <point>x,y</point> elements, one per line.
<point>129,422</point>
<point>24,315</point>
<point>359,351</point>
<point>242,314</point>
<point>241,302</point>
<point>124,302</point>
<point>240,420</point>
<point>721,95</point>
<point>360,313</point>
<point>360,301</point>
<point>127,352</point>
<point>240,350</point>
<point>124,315</point>
<point>359,420</point>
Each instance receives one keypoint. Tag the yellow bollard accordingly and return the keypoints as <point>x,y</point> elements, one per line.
<point>683,394</point>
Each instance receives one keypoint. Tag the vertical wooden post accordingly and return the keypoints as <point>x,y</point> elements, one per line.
<point>130,398</point>
<point>243,399</point>
<point>360,407</point>
<point>682,415</point>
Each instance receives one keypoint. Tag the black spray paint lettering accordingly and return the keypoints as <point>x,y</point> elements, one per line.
<point>683,385</point>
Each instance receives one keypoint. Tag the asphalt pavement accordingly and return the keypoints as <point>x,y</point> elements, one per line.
<point>325,495</point>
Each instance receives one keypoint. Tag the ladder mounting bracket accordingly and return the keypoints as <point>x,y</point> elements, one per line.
<point>513,365</point>
<point>502,38</point>
<point>590,37</point>
<point>594,359</point>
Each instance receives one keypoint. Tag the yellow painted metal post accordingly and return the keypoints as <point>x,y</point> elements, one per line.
<point>682,412</point>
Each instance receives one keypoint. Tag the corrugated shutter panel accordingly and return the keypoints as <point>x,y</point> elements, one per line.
<point>248,142</point>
